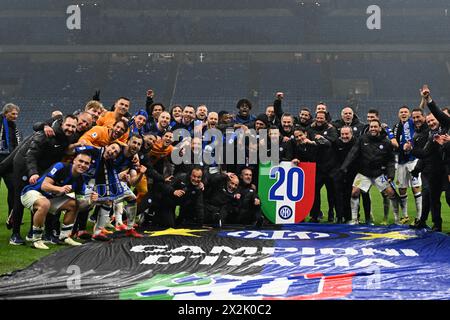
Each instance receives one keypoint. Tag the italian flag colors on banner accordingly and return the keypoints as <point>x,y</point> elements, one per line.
<point>286,191</point>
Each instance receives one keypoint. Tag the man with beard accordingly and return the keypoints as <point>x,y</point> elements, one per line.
<point>434,175</point>
<point>304,118</point>
<point>209,143</point>
<point>161,126</point>
<point>187,122</point>
<point>110,118</point>
<point>324,134</point>
<point>51,194</point>
<point>100,136</point>
<point>287,127</point>
<point>186,190</point>
<point>344,182</point>
<point>271,117</point>
<point>105,181</point>
<point>250,205</point>
<point>420,138</point>
<point>404,132</point>
<point>84,123</point>
<point>202,113</point>
<point>130,172</point>
<point>376,166</point>
<point>32,159</point>
<point>159,171</point>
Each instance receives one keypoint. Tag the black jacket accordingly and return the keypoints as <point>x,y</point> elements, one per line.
<point>191,203</point>
<point>430,156</point>
<point>43,151</point>
<point>356,125</point>
<point>247,206</point>
<point>219,200</point>
<point>326,158</point>
<point>342,150</point>
<point>305,152</point>
<point>374,156</point>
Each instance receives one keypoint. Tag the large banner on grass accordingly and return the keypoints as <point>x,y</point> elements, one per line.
<point>286,191</point>
<point>306,261</point>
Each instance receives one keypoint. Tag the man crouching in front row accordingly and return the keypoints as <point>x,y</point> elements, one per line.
<point>60,188</point>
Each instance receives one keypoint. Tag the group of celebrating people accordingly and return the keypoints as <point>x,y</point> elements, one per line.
<point>120,166</point>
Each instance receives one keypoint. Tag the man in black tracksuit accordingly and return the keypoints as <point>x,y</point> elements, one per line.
<point>250,206</point>
<point>222,199</point>
<point>324,134</point>
<point>9,140</point>
<point>342,147</point>
<point>435,179</point>
<point>376,166</point>
<point>185,191</point>
<point>32,159</point>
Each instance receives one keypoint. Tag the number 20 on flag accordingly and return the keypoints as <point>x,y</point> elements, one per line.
<point>287,191</point>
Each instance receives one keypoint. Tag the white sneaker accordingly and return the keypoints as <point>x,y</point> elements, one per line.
<point>39,244</point>
<point>71,242</point>
<point>353,222</point>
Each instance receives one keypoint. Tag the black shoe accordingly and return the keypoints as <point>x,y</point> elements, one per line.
<point>314,220</point>
<point>419,225</point>
<point>51,239</point>
<point>436,228</point>
<point>16,240</point>
<point>331,216</point>
<point>339,220</point>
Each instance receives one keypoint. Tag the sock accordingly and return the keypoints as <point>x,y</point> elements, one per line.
<point>395,205</point>
<point>118,211</point>
<point>404,205</point>
<point>37,233</point>
<point>418,200</point>
<point>131,214</point>
<point>65,231</point>
<point>354,203</point>
<point>386,205</point>
<point>102,218</point>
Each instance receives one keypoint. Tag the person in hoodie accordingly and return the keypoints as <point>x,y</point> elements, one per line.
<point>376,166</point>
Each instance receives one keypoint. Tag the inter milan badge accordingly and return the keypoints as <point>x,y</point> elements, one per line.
<point>285,212</point>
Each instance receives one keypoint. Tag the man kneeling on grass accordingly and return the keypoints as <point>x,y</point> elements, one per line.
<point>58,190</point>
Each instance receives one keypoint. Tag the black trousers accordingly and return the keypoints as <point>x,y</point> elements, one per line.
<point>9,183</point>
<point>321,180</point>
<point>20,180</point>
<point>343,195</point>
<point>433,184</point>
